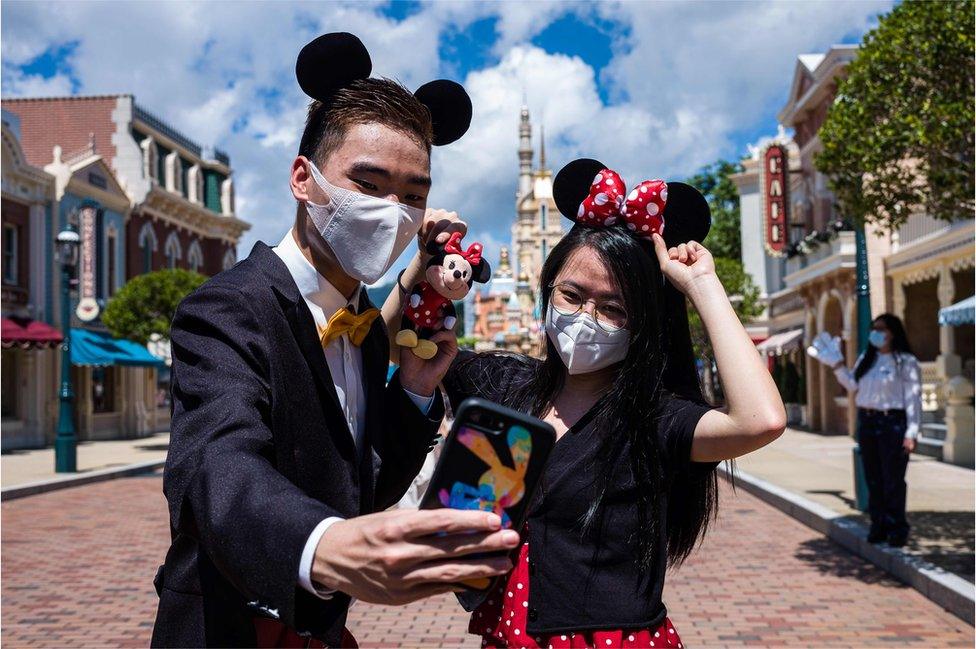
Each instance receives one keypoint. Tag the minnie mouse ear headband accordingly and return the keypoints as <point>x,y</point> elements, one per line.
<point>333,61</point>
<point>588,193</point>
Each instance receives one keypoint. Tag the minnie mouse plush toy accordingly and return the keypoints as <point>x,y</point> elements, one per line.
<point>430,308</point>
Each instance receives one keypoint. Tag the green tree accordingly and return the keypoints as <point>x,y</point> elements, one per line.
<point>147,303</point>
<point>744,295</point>
<point>899,136</point>
<point>724,238</point>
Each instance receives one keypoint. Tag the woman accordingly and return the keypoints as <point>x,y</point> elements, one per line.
<point>888,386</point>
<point>630,485</point>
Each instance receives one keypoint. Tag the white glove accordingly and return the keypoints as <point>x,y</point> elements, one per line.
<point>826,349</point>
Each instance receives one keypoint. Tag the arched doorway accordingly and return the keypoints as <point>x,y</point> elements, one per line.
<point>833,416</point>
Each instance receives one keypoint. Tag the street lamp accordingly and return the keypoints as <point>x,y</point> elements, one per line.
<point>65,444</point>
<point>863,288</point>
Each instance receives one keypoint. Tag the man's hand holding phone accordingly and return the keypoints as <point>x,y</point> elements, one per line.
<point>396,557</point>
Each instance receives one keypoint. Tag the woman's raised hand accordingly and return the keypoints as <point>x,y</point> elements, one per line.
<point>685,264</point>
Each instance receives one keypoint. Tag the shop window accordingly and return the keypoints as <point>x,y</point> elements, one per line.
<point>9,376</point>
<point>103,389</point>
<point>163,396</point>
<point>10,261</point>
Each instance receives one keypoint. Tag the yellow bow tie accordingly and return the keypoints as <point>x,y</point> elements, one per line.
<point>345,321</point>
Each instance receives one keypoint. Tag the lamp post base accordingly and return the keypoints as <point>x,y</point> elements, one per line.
<point>65,455</point>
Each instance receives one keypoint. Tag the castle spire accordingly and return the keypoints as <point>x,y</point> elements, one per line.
<point>542,147</point>
<point>525,152</point>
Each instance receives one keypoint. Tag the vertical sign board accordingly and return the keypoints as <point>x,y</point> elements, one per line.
<point>774,182</point>
<point>87,305</point>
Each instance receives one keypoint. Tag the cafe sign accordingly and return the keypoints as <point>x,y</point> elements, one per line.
<point>87,305</point>
<point>773,182</point>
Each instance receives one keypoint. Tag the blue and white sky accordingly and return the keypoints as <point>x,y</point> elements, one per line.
<point>655,89</point>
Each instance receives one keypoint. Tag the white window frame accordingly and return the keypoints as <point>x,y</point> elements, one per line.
<point>174,173</point>
<point>150,159</point>
<point>227,197</point>
<point>194,256</point>
<point>194,179</point>
<point>173,250</point>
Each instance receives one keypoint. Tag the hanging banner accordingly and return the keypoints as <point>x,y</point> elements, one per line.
<point>774,182</point>
<point>87,305</point>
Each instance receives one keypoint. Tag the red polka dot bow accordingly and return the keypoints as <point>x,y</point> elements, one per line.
<point>472,254</point>
<point>642,211</point>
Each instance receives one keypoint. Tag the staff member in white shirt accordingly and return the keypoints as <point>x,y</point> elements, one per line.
<point>887,381</point>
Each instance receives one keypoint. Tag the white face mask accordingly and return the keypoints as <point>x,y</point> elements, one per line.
<point>366,234</point>
<point>582,344</point>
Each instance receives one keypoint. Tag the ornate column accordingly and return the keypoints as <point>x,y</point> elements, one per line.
<point>947,363</point>
<point>898,297</point>
<point>849,307</point>
<point>959,443</point>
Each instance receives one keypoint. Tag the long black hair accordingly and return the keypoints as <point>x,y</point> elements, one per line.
<point>899,344</point>
<point>659,361</point>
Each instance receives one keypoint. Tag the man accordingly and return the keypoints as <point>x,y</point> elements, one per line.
<point>285,435</point>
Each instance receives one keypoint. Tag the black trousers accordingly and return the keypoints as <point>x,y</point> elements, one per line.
<point>881,435</point>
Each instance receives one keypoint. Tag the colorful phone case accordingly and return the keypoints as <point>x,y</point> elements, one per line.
<point>491,470</point>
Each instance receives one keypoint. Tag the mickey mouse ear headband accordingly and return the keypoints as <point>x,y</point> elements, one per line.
<point>588,193</point>
<point>333,61</point>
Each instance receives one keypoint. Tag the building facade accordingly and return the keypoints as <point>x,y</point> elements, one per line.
<point>29,359</point>
<point>143,197</point>
<point>505,313</point>
<point>809,287</point>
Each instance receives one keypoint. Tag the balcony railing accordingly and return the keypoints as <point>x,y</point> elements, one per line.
<point>843,242</point>
<point>918,226</point>
<point>167,130</point>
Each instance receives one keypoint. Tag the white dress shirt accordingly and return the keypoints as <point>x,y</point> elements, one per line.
<point>894,382</point>
<point>345,362</point>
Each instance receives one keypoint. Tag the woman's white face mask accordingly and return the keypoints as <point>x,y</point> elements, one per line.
<point>583,345</point>
<point>366,234</point>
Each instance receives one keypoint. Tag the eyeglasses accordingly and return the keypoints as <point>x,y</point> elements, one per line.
<point>610,315</point>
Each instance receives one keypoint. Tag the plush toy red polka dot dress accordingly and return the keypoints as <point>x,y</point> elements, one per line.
<point>501,621</point>
<point>429,310</point>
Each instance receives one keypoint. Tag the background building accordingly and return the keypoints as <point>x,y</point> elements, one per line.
<point>505,313</point>
<point>159,200</point>
<point>29,358</point>
<point>923,266</point>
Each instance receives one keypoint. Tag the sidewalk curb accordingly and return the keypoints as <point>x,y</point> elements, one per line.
<point>949,591</point>
<point>43,486</point>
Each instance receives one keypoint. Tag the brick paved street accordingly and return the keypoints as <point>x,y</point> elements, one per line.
<point>77,567</point>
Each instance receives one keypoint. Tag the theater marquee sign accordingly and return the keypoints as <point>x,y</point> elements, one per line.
<point>87,305</point>
<point>773,182</point>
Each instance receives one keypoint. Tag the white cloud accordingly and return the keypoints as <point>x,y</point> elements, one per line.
<point>685,81</point>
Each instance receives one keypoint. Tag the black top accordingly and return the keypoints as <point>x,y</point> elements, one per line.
<point>260,453</point>
<point>584,582</point>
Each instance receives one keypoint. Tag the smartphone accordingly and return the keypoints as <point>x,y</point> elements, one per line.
<point>492,460</point>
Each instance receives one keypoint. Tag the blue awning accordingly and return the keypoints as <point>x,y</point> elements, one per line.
<point>97,349</point>
<point>960,313</point>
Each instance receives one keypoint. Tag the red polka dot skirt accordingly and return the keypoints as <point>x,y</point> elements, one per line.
<point>501,620</point>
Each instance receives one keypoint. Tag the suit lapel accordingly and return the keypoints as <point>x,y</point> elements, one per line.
<point>376,359</point>
<point>303,328</point>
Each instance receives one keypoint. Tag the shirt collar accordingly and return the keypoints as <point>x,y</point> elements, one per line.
<point>313,287</point>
